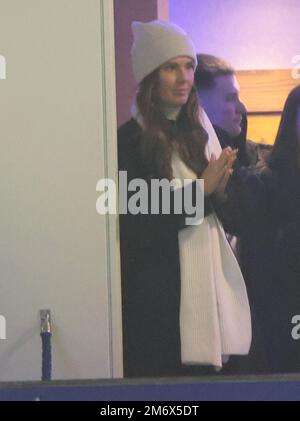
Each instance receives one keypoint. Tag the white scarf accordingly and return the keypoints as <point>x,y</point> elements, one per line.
<point>215,316</point>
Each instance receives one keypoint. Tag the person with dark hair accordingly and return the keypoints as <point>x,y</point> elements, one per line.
<point>278,206</point>
<point>184,302</point>
<point>270,257</point>
<point>218,91</point>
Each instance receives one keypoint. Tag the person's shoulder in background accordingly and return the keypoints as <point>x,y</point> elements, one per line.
<point>258,154</point>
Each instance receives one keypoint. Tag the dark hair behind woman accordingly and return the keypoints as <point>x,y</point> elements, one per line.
<point>284,156</point>
<point>271,253</point>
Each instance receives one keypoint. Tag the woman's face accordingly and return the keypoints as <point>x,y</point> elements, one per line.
<point>176,78</point>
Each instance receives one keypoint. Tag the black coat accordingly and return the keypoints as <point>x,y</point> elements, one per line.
<point>250,154</point>
<point>264,210</point>
<point>150,272</point>
<point>279,296</point>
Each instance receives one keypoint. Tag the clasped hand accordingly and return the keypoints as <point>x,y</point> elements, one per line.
<point>218,172</point>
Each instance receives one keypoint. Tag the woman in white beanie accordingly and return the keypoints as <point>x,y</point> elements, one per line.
<point>185,306</point>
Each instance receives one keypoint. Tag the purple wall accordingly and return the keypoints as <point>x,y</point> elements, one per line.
<point>251,34</point>
<point>125,12</point>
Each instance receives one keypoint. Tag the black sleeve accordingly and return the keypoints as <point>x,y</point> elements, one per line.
<point>148,228</point>
<point>244,203</point>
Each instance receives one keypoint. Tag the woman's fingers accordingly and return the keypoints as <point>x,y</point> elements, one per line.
<point>224,181</point>
<point>227,158</point>
<point>218,170</point>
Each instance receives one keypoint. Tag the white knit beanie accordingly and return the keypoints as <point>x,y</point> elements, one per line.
<point>155,43</point>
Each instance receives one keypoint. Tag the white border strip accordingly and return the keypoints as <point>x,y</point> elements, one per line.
<point>109,132</point>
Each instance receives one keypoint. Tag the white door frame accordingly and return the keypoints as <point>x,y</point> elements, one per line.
<point>109,136</point>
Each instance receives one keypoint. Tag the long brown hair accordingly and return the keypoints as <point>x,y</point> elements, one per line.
<point>158,136</point>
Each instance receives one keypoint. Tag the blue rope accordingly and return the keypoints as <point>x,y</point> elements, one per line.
<point>46,356</point>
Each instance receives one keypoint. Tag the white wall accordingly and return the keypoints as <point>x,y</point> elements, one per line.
<point>251,34</point>
<point>53,244</point>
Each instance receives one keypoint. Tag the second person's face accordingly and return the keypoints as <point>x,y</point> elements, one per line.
<point>223,105</point>
<point>176,78</point>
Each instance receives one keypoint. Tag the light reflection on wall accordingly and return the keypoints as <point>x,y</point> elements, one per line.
<point>251,34</point>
